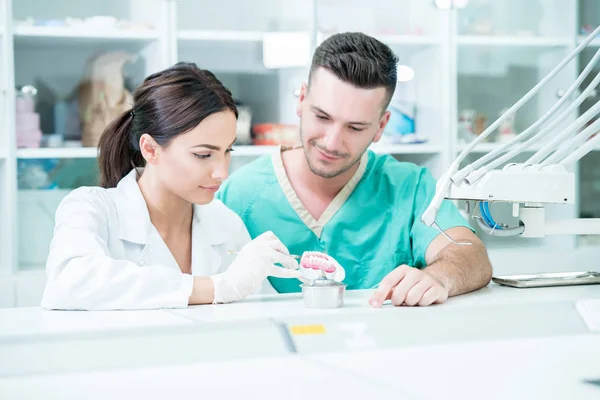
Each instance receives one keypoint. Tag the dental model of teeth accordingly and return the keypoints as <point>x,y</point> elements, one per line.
<point>315,264</point>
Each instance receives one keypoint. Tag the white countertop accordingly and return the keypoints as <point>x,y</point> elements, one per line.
<point>550,368</point>
<point>498,342</point>
<point>540,368</point>
<point>37,321</point>
<point>356,302</point>
<point>277,378</point>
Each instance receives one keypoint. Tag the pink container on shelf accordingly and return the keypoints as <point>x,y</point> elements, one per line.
<point>27,121</point>
<point>24,105</point>
<point>29,139</point>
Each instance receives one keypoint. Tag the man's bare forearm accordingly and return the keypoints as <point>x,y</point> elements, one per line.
<point>462,269</point>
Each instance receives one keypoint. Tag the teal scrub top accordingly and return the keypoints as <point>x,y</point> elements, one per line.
<point>371,227</point>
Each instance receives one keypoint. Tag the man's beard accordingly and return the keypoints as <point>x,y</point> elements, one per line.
<point>326,174</point>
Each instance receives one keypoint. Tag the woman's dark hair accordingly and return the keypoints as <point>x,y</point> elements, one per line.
<point>167,104</point>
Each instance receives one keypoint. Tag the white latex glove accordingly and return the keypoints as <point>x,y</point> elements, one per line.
<point>253,264</point>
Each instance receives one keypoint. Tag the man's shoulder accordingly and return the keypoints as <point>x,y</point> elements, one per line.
<point>245,183</point>
<point>257,172</point>
<point>385,168</point>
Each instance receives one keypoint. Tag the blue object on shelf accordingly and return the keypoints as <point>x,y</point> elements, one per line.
<point>402,119</point>
<point>401,128</point>
<point>35,174</point>
<point>49,22</point>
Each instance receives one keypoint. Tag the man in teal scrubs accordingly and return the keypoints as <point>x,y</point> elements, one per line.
<point>331,194</point>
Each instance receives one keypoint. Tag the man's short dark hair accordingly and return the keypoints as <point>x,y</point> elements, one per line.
<point>358,59</point>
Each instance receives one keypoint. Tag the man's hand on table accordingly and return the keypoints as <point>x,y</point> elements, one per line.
<point>411,287</point>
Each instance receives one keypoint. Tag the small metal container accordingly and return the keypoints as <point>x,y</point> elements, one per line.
<point>323,293</point>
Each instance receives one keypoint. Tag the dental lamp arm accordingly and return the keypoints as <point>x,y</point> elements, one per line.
<point>551,146</point>
<point>581,151</point>
<point>441,188</point>
<point>462,174</point>
<point>574,144</point>
<point>455,178</point>
<point>544,132</point>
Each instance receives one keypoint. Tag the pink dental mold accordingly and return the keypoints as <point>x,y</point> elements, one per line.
<point>319,261</point>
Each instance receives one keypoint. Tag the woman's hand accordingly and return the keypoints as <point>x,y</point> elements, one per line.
<point>251,267</point>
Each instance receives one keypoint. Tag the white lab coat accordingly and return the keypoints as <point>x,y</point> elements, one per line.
<point>107,255</point>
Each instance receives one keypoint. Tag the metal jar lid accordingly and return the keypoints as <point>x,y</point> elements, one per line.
<point>323,282</point>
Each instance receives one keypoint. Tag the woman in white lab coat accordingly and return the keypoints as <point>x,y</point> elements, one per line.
<point>153,236</point>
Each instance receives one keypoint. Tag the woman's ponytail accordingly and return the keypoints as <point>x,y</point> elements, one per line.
<point>116,155</point>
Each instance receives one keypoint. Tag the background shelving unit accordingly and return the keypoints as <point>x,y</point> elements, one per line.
<point>483,57</point>
<point>513,41</point>
<point>66,152</point>
<point>589,172</point>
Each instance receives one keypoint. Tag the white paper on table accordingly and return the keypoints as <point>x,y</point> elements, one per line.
<point>589,310</point>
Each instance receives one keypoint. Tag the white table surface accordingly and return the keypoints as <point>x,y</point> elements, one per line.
<point>37,321</point>
<point>277,378</point>
<point>550,368</point>
<point>539,368</point>
<point>34,320</point>
<point>538,348</point>
<point>491,313</point>
<point>277,306</point>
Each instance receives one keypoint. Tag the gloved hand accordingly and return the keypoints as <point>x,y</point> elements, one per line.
<point>253,264</point>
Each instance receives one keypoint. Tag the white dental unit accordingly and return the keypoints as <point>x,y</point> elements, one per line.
<point>499,342</point>
<point>542,179</point>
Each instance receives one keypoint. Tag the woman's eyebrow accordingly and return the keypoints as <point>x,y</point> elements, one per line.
<point>212,146</point>
<point>208,146</point>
